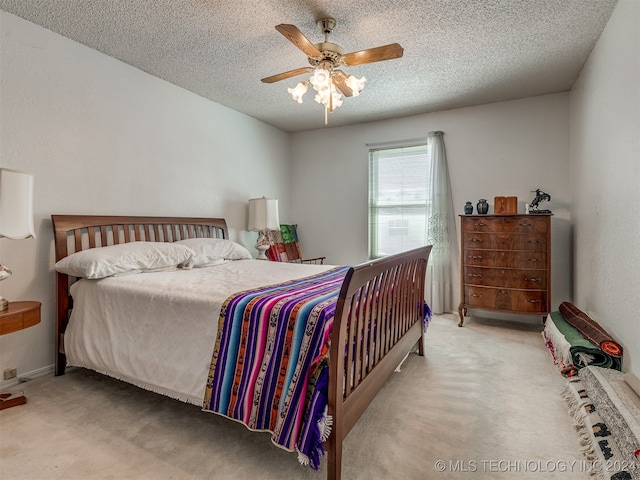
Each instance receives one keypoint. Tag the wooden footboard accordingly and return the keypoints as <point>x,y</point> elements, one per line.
<point>74,233</point>
<point>379,317</point>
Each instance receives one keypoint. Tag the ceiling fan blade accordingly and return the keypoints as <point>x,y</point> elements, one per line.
<point>285,75</point>
<point>296,37</point>
<point>340,81</point>
<point>378,54</point>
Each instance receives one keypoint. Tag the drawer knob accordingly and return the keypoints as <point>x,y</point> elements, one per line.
<point>534,241</point>
<point>534,301</point>
<point>526,224</point>
<point>480,224</point>
<point>479,257</point>
<point>476,239</point>
<point>476,295</point>
<point>533,259</point>
<point>535,279</point>
<point>475,275</point>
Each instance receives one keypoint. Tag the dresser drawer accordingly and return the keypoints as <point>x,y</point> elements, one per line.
<point>506,259</point>
<point>511,224</point>
<point>482,224</point>
<point>505,241</point>
<point>519,301</point>
<point>506,277</point>
<point>528,224</point>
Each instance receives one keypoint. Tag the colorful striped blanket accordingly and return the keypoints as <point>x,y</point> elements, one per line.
<point>269,366</point>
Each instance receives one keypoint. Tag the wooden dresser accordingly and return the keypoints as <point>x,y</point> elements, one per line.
<point>506,264</point>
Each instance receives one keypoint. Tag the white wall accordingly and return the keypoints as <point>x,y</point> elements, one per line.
<point>102,137</point>
<point>605,181</point>
<point>507,148</point>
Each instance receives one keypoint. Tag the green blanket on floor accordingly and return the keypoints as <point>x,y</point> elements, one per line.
<point>583,352</point>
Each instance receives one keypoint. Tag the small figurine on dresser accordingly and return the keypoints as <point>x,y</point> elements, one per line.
<point>535,203</point>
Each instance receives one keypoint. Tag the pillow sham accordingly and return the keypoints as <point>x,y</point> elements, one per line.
<point>134,257</point>
<point>214,251</point>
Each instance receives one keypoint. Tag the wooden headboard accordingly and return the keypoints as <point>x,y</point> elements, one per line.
<point>74,233</point>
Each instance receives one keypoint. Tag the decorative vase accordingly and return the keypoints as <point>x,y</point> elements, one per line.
<point>482,206</point>
<point>468,208</point>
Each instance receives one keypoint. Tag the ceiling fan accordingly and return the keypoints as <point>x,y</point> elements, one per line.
<point>325,59</point>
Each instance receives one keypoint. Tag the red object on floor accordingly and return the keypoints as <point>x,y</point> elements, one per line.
<point>12,399</point>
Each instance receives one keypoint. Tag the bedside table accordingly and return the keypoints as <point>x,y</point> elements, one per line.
<point>19,315</point>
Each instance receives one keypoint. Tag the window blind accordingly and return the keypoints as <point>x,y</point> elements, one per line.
<point>399,199</point>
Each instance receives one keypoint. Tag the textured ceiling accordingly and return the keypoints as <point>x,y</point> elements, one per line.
<point>456,52</point>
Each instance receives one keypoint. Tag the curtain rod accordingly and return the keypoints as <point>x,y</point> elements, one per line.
<point>397,142</point>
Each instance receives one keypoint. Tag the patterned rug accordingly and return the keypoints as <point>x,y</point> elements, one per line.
<point>606,413</point>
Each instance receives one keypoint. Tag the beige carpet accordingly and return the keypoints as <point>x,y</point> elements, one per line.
<point>484,401</point>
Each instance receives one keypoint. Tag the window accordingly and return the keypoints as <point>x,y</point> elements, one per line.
<point>399,199</point>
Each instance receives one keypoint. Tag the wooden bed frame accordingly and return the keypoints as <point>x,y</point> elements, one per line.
<point>381,303</point>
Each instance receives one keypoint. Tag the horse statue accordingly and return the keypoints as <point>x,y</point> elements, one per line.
<point>540,197</point>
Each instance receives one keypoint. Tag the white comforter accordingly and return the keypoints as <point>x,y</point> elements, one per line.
<point>158,330</point>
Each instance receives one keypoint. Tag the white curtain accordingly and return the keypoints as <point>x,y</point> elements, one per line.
<point>442,269</point>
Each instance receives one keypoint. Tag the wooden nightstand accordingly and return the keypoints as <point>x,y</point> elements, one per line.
<point>19,315</point>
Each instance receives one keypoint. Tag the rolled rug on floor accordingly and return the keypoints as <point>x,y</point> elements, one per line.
<point>583,352</point>
<point>590,329</point>
<point>559,348</point>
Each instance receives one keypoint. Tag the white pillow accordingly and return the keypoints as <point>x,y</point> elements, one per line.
<point>134,257</point>
<point>214,251</point>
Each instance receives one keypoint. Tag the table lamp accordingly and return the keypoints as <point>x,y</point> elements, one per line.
<point>263,216</point>
<point>16,212</point>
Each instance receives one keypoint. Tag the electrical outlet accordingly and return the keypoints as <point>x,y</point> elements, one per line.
<point>10,373</point>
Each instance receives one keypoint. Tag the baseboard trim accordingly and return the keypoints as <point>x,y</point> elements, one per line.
<point>41,372</point>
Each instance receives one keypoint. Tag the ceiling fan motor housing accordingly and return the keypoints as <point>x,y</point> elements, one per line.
<point>331,53</point>
<point>326,25</point>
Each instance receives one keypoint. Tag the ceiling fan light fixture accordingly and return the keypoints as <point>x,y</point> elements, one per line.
<point>336,98</point>
<point>320,79</point>
<point>329,97</point>
<point>325,59</point>
<point>298,91</point>
<point>356,84</point>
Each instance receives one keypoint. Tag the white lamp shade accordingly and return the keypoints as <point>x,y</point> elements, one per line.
<point>16,204</point>
<point>263,214</point>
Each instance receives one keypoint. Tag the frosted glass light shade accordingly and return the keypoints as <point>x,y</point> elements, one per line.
<point>356,84</point>
<point>263,214</point>
<point>16,204</point>
<point>320,79</point>
<point>298,92</point>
